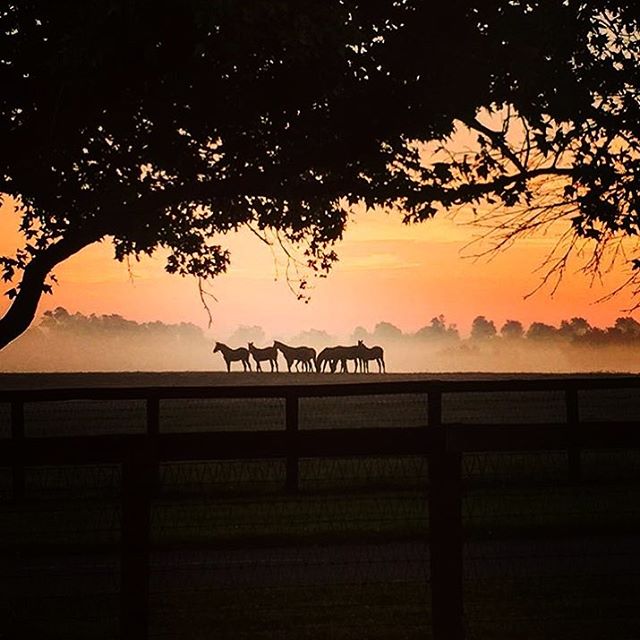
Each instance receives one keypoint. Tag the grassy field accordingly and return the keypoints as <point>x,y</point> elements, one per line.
<point>346,557</point>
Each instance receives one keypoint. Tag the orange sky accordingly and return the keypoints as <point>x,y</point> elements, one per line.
<point>387,271</point>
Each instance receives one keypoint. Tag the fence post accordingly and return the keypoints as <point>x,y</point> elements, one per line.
<point>137,477</point>
<point>17,436</point>
<point>573,425</point>
<point>445,530</point>
<point>153,415</point>
<point>291,418</point>
<point>153,433</point>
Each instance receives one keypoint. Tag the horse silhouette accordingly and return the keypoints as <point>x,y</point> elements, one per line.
<point>326,358</point>
<point>332,355</point>
<point>269,354</point>
<point>370,353</point>
<point>233,355</point>
<point>298,356</point>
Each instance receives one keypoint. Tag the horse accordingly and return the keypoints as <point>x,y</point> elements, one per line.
<point>324,358</point>
<point>370,353</point>
<point>305,356</point>
<point>333,355</point>
<point>262,355</point>
<point>233,355</point>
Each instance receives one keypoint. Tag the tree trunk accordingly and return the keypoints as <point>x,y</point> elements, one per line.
<point>23,308</point>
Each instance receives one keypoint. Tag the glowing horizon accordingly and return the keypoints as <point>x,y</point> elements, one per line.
<point>387,271</point>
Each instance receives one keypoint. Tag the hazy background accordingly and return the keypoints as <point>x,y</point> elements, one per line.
<point>64,341</point>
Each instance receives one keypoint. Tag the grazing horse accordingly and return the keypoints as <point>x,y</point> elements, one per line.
<point>326,358</point>
<point>233,355</point>
<point>262,355</point>
<point>305,356</point>
<point>333,355</point>
<point>370,353</point>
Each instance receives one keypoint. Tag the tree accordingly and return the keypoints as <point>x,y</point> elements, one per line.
<point>318,338</point>
<point>627,327</point>
<point>482,329</point>
<point>438,330</point>
<point>512,330</point>
<point>575,328</point>
<point>541,331</point>
<point>386,331</point>
<point>360,333</point>
<point>244,334</point>
<point>166,126</point>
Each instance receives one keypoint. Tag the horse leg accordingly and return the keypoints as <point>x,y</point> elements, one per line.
<point>258,366</point>
<point>228,365</point>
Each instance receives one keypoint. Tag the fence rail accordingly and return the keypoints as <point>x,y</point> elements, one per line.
<point>442,444</point>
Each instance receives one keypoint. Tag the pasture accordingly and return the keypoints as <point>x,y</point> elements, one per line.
<point>346,556</point>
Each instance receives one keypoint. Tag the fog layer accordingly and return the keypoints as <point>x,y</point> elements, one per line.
<point>65,342</point>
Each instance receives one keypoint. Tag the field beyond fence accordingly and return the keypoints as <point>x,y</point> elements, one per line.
<point>445,509</point>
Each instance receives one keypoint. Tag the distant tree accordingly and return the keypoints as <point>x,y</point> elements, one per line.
<point>438,330</point>
<point>541,331</point>
<point>386,331</point>
<point>57,317</point>
<point>312,338</point>
<point>482,329</point>
<point>60,321</point>
<point>512,330</point>
<point>245,334</point>
<point>628,326</point>
<point>360,333</point>
<point>166,125</point>
<point>576,328</point>
<point>74,341</point>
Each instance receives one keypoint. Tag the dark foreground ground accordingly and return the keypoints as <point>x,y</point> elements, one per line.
<point>214,378</point>
<point>347,556</point>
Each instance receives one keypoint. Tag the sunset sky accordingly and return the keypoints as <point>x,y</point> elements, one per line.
<point>387,271</point>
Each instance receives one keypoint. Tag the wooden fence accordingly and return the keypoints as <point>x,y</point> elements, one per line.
<point>442,444</point>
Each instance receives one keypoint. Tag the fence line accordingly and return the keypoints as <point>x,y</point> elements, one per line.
<point>443,444</point>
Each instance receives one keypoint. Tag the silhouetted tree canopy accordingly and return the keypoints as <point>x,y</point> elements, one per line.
<point>245,334</point>
<point>386,331</point>
<point>574,328</point>
<point>512,330</point>
<point>438,330</point>
<point>482,329</point>
<point>541,331</point>
<point>165,125</point>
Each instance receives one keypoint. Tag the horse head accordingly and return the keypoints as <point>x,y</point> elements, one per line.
<point>216,348</point>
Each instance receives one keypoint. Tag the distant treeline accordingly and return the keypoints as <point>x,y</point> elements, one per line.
<point>64,341</point>
<point>576,330</point>
<point>76,342</point>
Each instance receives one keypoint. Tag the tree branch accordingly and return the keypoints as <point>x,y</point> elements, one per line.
<point>24,306</point>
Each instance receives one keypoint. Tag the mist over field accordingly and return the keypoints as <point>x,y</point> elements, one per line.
<point>67,342</point>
